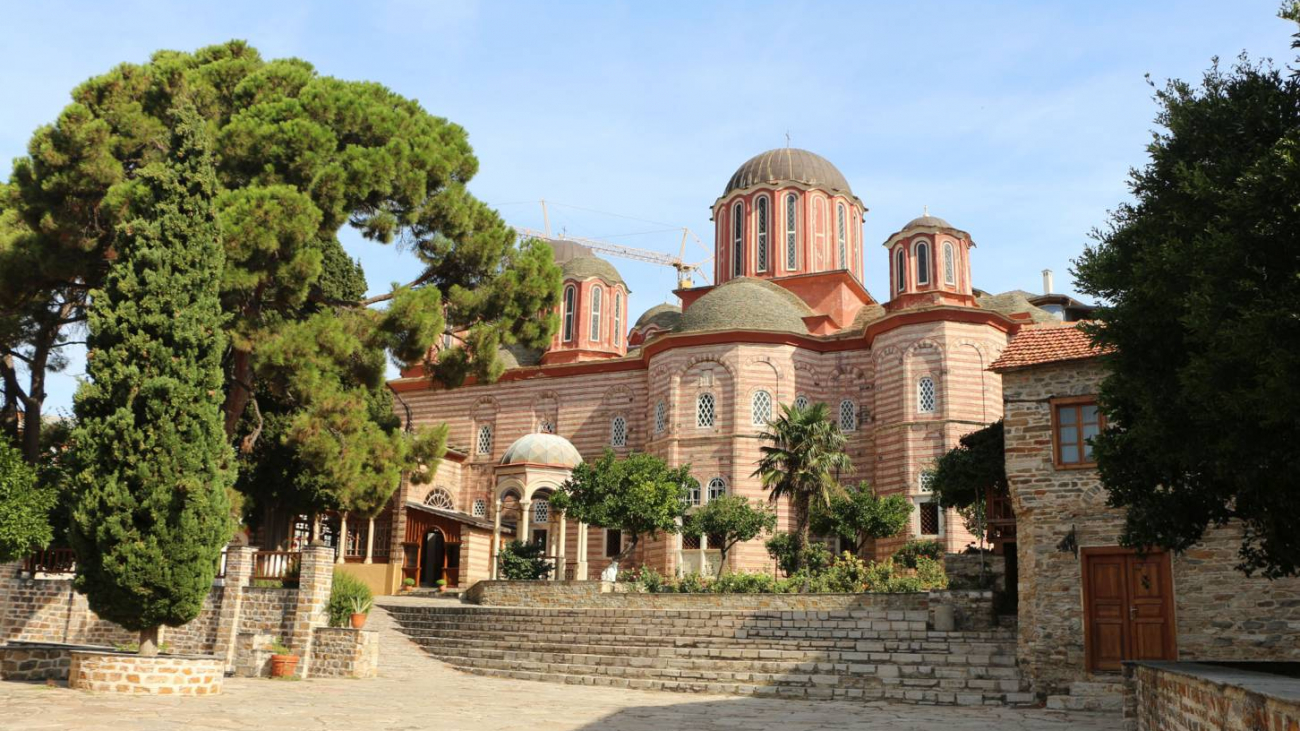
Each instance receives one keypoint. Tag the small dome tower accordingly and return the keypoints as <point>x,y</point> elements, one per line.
<point>593,307</point>
<point>929,264</point>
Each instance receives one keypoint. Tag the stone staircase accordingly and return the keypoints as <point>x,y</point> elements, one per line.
<point>1092,695</point>
<point>868,655</point>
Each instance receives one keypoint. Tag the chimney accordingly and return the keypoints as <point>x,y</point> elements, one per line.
<point>1047,281</point>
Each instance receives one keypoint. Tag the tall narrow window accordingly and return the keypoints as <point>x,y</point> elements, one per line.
<point>705,410</point>
<point>596,294</point>
<point>618,432</point>
<point>717,488</point>
<point>618,319</point>
<point>848,415</point>
<point>925,400</point>
<point>760,228</point>
<point>738,240</point>
<point>791,237</point>
<point>843,233</point>
<point>900,271</point>
<point>661,417</point>
<point>922,263</point>
<point>570,298</point>
<point>613,542</point>
<point>819,232</point>
<point>692,495</point>
<point>761,408</point>
<point>485,439</point>
<point>949,264</point>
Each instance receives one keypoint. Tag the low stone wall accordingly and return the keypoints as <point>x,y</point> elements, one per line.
<point>343,652</point>
<point>973,609</point>
<point>112,672</point>
<point>34,661</point>
<point>269,611</point>
<point>1160,696</point>
<point>963,571</point>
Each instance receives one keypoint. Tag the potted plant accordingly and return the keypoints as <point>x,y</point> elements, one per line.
<point>442,585</point>
<point>284,664</point>
<point>360,609</point>
<point>408,584</point>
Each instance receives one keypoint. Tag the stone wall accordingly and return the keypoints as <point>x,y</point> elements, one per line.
<point>343,652</point>
<point>268,610</point>
<point>48,610</point>
<point>1196,697</point>
<point>1219,613</point>
<point>158,675</point>
<point>31,661</point>
<point>963,570</point>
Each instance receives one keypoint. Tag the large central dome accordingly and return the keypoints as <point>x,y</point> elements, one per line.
<point>787,164</point>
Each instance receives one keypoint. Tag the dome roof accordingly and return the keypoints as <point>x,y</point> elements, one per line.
<point>927,220</point>
<point>928,224</point>
<point>582,267</point>
<point>787,164</point>
<point>745,303</point>
<point>665,316</point>
<point>547,449</point>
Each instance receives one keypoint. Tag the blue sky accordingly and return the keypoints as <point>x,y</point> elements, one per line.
<point>1016,121</point>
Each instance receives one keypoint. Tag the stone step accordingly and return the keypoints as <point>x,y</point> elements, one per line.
<point>1085,702</point>
<point>1096,688</point>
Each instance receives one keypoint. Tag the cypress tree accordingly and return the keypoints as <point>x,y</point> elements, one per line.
<point>152,464</point>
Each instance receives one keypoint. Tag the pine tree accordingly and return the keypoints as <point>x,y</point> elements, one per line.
<point>151,460</point>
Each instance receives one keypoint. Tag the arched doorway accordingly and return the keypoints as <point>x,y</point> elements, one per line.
<point>435,557</point>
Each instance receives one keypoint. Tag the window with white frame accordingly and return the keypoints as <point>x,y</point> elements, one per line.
<point>900,270</point>
<point>596,294</point>
<point>480,508</point>
<point>949,264</point>
<point>922,263</point>
<point>705,410</point>
<point>760,238</point>
<point>791,232</point>
<point>661,417</point>
<point>717,488</point>
<point>618,432</point>
<point>485,439</point>
<point>848,415</point>
<point>541,511</point>
<point>570,300</point>
<point>738,239</point>
<point>618,319</point>
<point>801,401</point>
<point>692,494</point>
<point>439,498</point>
<point>842,234</point>
<point>925,400</point>
<point>761,407</point>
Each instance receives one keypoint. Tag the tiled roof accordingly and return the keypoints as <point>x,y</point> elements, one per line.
<point>1047,344</point>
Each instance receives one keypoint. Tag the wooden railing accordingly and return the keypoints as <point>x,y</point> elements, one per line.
<point>271,565</point>
<point>51,561</point>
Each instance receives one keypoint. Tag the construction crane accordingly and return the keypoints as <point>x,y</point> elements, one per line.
<point>684,270</point>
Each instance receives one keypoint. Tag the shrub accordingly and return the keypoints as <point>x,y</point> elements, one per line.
<point>692,584</point>
<point>523,562</point>
<point>914,549</point>
<point>847,575</point>
<point>743,582</point>
<point>347,592</point>
<point>785,549</point>
<point>931,573</point>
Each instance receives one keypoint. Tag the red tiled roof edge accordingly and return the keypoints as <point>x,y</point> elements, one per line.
<point>1034,346</point>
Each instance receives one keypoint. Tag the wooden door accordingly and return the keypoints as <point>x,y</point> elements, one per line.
<point>1128,607</point>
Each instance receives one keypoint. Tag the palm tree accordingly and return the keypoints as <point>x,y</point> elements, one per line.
<point>802,461</point>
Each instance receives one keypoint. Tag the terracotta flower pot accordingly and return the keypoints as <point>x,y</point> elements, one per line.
<point>283,666</point>
<point>359,620</point>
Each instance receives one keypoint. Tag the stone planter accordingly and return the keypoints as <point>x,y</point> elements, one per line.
<point>120,672</point>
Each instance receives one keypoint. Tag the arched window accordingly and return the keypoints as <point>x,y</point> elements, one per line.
<point>661,417</point>
<point>843,234</point>
<point>801,401</point>
<point>485,439</point>
<point>618,318</point>
<point>791,237</point>
<point>761,407</point>
<point>922,263</point>
<point>480,508</point>
<point>717,488</point>
<point>596,294</point>
<point>949,264</point>
<point>738,239</point>
<point>760,239</point>
<point>692,494</point>
<point>439,498</point>
<point>925,400</point>
<point>848,415</point>
<point>705,410</point>
<point>570,299</point>
<point>819,230</point>
<point>900,270</point>
<point>618,432</point>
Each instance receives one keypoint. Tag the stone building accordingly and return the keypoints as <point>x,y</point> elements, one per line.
<point>1085,603</point>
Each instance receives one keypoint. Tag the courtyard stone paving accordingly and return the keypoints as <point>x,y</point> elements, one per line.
<point>417,692</point>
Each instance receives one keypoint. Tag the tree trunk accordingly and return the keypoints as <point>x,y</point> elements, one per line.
<point>149,642</point>
<point>628,550</point>
<point>240,381</point>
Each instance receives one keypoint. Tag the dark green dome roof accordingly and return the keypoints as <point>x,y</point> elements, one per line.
<point>665,316</point>
<point>584,267</point>
<point>746,304</point>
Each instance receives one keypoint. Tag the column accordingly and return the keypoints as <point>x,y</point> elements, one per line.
<point>496,539</point>
<point>370,541</point>
<point>239,574</point>
<point>704,545</point>
<point>561,540</point>
<point>309,612</point>
<point>525,521</point>
<point>581,572</point>
<point>677,540</point>
<point>341,556</point>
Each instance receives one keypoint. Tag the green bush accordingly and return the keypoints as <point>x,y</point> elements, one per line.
<point>743,582</point>
<point>931,573</point>
<point>693,583</point>
<point>784,548</point>
<point>645,580</point>
<point>848,575</point>
<point>523,562</point>
<point>345,590</point>
<point>914,549</point>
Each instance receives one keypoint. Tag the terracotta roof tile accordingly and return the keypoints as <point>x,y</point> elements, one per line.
<point>1045,344</point>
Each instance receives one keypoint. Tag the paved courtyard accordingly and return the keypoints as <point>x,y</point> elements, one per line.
<point>417,692</point>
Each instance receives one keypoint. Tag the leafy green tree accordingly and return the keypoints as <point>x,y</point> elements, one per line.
<point>298,157</point>
<point>793,556</point>
<point>1201,288</point>
<point>151,460</point>
<point>860,514</point>
<point>966,475</point>
<point>802,462</point>
<point>520,561</point>
<point>729,519</point>
<point>639,495</point>
<point>25,507</point>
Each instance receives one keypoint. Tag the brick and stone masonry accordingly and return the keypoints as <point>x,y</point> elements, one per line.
<point>159,675</point>
<point>1198,697</point>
